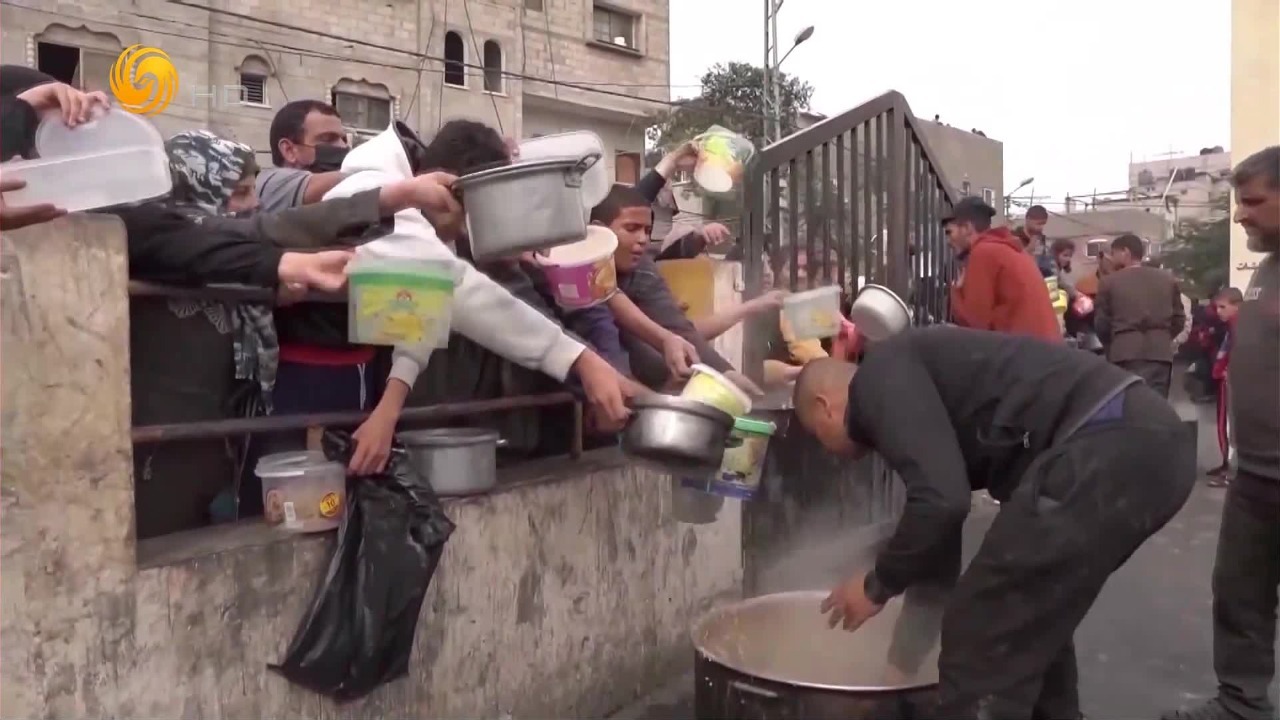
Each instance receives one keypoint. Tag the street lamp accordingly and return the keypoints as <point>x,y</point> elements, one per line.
<point>1021,185</point>
<point>801,36</point>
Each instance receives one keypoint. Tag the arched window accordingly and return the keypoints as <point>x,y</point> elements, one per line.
<point>455,60</point>
<point>79,57</point>
<point>492,67</point>
<point>253,73</point>
<point>364,106</point>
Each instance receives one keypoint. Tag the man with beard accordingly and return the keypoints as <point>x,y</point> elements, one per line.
<point>1246,573</point>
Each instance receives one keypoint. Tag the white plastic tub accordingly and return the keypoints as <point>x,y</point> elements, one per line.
<point>711,388</point>
<point>813,314</point>
<point>114,159</point>
<point>302,491</point>
<point>582,274</point>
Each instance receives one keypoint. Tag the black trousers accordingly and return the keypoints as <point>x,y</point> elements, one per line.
<point>1157,375</point>
<point>1246,578</point>
<point>1082,508</point>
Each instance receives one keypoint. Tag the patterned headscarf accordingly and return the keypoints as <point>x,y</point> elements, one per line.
<point>206,169</point>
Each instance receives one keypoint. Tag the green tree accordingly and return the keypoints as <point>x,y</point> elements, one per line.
<point>733,97</point>
<point>1200,253</point>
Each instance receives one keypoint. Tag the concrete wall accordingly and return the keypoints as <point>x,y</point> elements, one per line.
<point>564,594</point>
<point>1255,101</point>
<point>965,156</point>
<point>311,46</point>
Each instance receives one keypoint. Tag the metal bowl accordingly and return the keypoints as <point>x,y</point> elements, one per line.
<point>676,435</point>
<point>879,313</point>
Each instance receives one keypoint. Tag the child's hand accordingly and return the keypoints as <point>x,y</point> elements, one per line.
<point>373,443</point>
<point>679,354</point>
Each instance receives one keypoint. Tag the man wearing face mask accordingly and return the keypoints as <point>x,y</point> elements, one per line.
<point>308,145</point>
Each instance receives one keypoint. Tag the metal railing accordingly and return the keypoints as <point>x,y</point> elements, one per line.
<point>861,195</point>
<point>221,429</point>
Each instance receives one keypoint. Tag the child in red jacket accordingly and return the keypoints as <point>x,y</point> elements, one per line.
<point>1226,303</point>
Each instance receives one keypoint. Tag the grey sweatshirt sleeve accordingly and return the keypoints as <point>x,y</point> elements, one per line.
<point>649,291</point>
<point>281,188</point>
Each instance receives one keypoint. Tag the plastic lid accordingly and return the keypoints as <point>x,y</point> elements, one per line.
<point>809,294</point>
<point>113,129</point>
<point>751,425</point>
<point>739,393</point>
<point>290,464</point>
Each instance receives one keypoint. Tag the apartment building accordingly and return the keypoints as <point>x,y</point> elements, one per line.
<point>531,67</point>
<point>1185,187</point>
<point>973,163</point>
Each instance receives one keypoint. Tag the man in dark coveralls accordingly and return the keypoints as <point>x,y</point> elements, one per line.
<point>1086,461</point>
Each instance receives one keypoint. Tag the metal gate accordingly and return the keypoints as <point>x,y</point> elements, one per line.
<point>861,196</point>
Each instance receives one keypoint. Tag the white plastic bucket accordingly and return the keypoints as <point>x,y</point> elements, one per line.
<point>399,302</point>
<point>711,388</point>
<point>582,274</point>
<point>813,314</point>
<point>302,491</point>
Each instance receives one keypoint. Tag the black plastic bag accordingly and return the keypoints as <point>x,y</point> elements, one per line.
<point>359,630</point>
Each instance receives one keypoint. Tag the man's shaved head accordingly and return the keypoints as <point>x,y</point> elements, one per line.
<point>821,398</point>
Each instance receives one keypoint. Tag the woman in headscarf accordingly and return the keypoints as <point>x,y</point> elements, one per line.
<point>214,176</point>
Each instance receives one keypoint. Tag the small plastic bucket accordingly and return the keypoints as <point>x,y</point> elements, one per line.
<point>813,314</point>
<point>743,464</point>
<point>399,302</point>
<point>582,274</point>
<point>302,491</point>
<point>711,388</point>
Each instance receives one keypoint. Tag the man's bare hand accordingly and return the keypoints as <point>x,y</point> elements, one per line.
<point>76,106</point>
<point>13,217</point>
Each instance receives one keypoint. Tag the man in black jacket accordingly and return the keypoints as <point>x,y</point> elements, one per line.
<point>1086,461</point>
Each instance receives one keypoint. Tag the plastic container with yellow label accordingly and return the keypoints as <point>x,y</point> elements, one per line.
<point>399,302</point>
<point>711,388</point>
<point>743,464</point>
<point>302,491</point>
<point>813,314</point>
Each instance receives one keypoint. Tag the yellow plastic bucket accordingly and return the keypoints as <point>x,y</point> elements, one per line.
<point>711,388</point>
<point>400,304</point>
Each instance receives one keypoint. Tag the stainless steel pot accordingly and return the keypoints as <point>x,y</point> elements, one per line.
<point>455,461</point>
<point>879,313</point>
<point>525,206</point>
<point>679,436</point>
<point>773,656</point>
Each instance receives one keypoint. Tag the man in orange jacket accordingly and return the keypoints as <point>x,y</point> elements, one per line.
<point>999,286</point>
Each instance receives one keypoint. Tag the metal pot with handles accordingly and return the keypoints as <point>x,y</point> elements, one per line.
<point>676,435</point>
<point>525,206</point>
<point>773,656</point>
<point>455,461</point>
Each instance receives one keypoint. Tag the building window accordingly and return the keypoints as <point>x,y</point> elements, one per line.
<point>614,27</point>
<point>534,5</point>
<point>253,89</point>
<point>253,73</point>
<point>492,67</point>
<point>626,168</point>
<point>965,188</point>
<point>363,112</point>
<point>989,196</point>
<point>78,67</point>
<point>455,60</point>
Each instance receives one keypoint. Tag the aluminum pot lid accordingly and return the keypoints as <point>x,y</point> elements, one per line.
<point>517,169</point>
<point>448,437</point>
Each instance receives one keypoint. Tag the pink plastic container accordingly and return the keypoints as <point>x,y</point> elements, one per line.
<point>582,274</point>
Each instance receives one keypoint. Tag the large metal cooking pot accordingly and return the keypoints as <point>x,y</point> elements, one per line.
<point>679,436</point>
<point>525,206</point>
<point>455,461</point>
<point>774,657</point>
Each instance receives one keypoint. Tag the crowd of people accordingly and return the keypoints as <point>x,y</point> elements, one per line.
<point>1069,442</point>
<point>1084,453</point>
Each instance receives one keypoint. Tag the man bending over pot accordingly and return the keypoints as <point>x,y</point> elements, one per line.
<point>1086,461</point>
